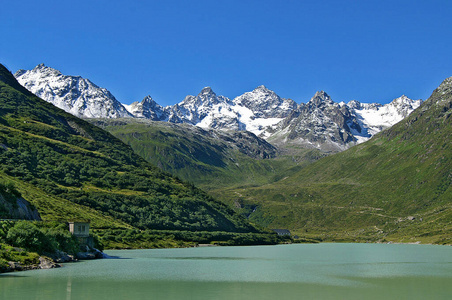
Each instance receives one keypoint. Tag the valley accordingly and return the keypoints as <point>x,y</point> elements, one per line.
<point>69,169</point>
<point>326,171</point>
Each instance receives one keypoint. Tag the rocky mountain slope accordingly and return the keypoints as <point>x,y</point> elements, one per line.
<point>74,94</point>
<point>13,206</point>
<point>321,123</point>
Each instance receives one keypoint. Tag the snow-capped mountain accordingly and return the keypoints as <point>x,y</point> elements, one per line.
<point>375,117</point>
<point>147,109</point>
<point>73,94</point>
<point>253,111</point>
<point>206,110</point>
<point>261,108</point>
<point>264,103</point>
<point>320,123</point>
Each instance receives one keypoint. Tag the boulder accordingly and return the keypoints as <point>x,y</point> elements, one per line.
<point>47,263</point>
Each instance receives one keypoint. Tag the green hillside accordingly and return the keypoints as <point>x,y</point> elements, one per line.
<point>395,187</point>
<point>213,160</point>
<point>69,168</point>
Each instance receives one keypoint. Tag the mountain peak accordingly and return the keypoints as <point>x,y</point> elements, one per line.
<point>73,94</point>
<point>402,99</point>
<point>321,97</point>
<point>41,69</point>
<point>322,94</point>
<point>404,103</point>
<point>148,99</point>
<point>262,88</point>
<point>445,86</point>
<point>147,109</point>
<point>355,104</point>
<point>207,91</point>
<point>254,111</point>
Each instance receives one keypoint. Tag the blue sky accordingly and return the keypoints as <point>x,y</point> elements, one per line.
<point>371,51</point>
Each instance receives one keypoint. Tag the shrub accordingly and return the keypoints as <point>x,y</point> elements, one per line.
<point>26,235</point>
<point>63,240</point>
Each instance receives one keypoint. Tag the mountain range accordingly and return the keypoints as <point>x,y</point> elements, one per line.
<point>394,187</point>
<point>320,123</point>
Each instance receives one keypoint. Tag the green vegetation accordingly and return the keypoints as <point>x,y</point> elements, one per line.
<point>8,194</point>
<point>9,253</point>
<point>70,169</point>
<point>395,187</point>
<point>187,152</point>
<point>54,208</point>
<point>120,239</point>
<point>8,190</point>
<point>212,161</point>
<point>45,239</point>
<point>28,236</point>
<point>25,241</point>
<point>67,158</point>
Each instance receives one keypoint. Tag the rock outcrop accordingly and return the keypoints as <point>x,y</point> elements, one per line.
<point>17,208</point>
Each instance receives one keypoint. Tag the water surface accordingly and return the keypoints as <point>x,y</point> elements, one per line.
<point>320,271</point>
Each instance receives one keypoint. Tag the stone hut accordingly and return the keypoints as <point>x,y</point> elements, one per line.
<point>80,229</point>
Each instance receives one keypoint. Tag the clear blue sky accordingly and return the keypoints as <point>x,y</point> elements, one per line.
<point>371,51</point>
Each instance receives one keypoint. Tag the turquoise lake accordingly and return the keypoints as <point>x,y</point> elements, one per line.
<point>313,271</point>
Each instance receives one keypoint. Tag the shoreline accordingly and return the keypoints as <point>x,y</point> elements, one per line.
<point>46,262</point>
<point>53,261</point>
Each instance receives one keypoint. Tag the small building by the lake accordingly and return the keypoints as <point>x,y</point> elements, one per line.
<point>282,231</point>
<point>80,229</point>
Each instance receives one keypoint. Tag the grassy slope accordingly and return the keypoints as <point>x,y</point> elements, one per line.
<point>53,208</point>
<point>212,163</point>
<point>397,186</point>
<point>52,155</point>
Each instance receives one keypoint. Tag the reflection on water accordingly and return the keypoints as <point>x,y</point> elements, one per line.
<point>69,288</point>
<point>323,271</point>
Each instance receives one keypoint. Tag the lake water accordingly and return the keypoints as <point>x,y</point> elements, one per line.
<point>317,271</point>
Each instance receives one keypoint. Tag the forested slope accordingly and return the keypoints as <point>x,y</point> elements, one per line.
<point>67,158</point>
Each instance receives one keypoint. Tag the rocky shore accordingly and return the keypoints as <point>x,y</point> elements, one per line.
<point>52,261</point>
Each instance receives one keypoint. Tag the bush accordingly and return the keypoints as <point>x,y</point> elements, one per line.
<point>4,228</point>
<point>26,235</point>
<point>8,253</point>
<point>63,240</point>
<point>3,265</point>
<point>9,188</point>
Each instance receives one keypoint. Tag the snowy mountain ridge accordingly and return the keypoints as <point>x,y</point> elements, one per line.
<point>73,94</point>
<point>320,123</point>
<point>376,117</point>
<point>147,109</point>
<point>323,124</point>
